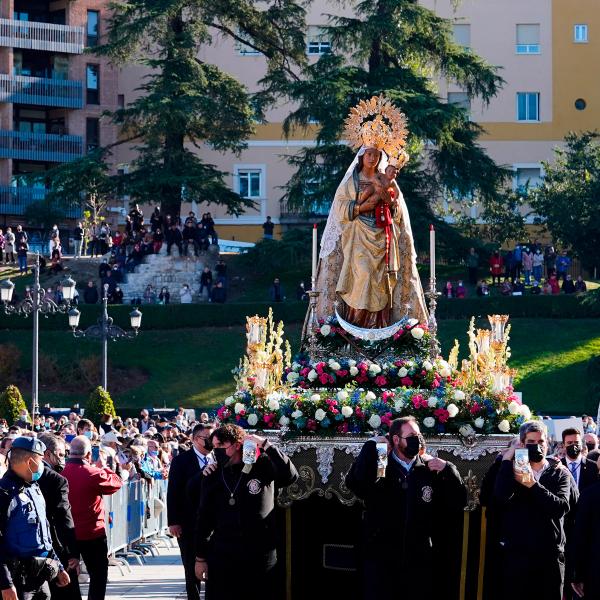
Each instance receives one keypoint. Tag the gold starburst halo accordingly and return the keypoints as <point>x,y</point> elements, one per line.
<point>376,123</point>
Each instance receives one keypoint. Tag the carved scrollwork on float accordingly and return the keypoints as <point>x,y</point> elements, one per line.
<point>301,489</point>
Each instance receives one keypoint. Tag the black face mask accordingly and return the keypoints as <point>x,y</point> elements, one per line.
<point>413,445</point>
<point>221,456</point>
<point>59,467</point>
<point>535,453</point>
<point>207,443</point>
<point>590,447</point>
<point>573,451</point>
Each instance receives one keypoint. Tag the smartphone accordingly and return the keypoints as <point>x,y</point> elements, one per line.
<point>95,453</point>
<point>109,462</point>
<point>522,460</point>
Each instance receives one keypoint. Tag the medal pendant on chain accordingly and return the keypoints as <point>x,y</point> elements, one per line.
<point>232,501</point>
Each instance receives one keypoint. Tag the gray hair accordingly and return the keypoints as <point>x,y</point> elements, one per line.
<point>80,447</point>
<point>532,426</point>
<point>51,441</point>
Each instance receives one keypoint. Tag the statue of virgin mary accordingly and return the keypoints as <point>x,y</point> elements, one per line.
<point>367,263</point>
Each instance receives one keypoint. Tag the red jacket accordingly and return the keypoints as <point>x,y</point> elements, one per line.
<point>87,485</point>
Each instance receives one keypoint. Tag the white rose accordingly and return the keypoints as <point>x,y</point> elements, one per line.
<point>459,395</point>
<point>398,405</point>
<point>429,422</point>
<point>353,371</point>
<point>312,375</point>
<point>342,395</point>
<point>524,410</point>
<point>452,410</point>
<point>334,366</point>
<point>466,431</point>
<point>375,421</point>
<point>284,421</point>
<point>229,401</point>
<point>351,363</point>
<point>402,372</point>
<point>347,411</point>
<point>427,365</point>
<point>296,366</point>
<point>374,369</point>
<point>238,408</point>
<point>315,398</point>
<point>514,408</point>
<point>370,396</point>
<point>273,404</point>
<point>252,420</point>
<point>479,422</point>
<point>432,401</point>
<point>417,333</point>
<point>296,414</point>
<point>292,376</point>
<point>504,426</point>
<point>445,372</point>
<point>320,414</point>
<point>325,330</point>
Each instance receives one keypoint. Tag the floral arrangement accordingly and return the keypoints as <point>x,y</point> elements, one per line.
<point>413,339</point>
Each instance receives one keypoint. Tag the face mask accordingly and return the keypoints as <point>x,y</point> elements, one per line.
<point>153,452</point>
<point>59,466</point>
<point>35,475</point>
<point>221,456</point>
<point>573,451</point>
<point>590,447</point>
<point>413,445</point>
<point>535,453</point>
<point>88,434</point>
<point>208,444</point>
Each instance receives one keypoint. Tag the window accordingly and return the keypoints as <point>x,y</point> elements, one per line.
<point>528,106</point>
<point>580,34</point>
<point>244,49</point>
<point>462,35</point>
<point>249,183</point>
<point>121,100</point>
<point>528,39</point>
<point>317,42</point>
<point>92,134</point>
<point>93,21</point>
<point>527,178</point>
<point>460,99</point>
<point>92,83</point>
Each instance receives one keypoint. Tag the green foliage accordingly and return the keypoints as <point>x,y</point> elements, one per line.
<point>397,47</point>
<point>10,358</point>
<point>44,213</point>
<point>567,200</point>
<point>99,403</point>
<point>11,404</point>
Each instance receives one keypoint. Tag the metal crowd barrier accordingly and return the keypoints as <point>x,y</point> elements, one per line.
<point>136,521</point>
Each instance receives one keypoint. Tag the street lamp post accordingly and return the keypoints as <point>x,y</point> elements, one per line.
<point>33,304</point>
<point>105,330</point>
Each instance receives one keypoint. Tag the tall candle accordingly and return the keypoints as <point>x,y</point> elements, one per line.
<point>432,251</point>
<point>314,256</point>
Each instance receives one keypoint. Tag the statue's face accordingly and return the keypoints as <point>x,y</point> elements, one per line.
<point>371,157</point>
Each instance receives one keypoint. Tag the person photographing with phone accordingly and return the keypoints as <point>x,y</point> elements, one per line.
<point>89,480</point>
<point>534,493</point>
<point>412,505</point>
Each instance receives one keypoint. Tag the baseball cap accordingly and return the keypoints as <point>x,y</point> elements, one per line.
<point>29,444</point>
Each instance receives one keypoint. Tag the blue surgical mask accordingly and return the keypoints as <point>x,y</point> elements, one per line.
<point>35,475</point>
<point>88,434</point>
<point>153,452</point>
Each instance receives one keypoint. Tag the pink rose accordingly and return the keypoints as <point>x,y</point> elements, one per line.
<point>342,373</point>
<point>311,424</point>
<point>406,381</point>
<point>442,414</point>
<point>380,380</point>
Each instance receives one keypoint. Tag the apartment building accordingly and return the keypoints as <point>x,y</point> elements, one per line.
<point>52,94</point>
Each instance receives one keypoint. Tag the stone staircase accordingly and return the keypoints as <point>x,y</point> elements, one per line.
<point>161,270</point>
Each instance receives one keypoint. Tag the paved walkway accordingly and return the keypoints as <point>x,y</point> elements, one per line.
<point>160,578</point>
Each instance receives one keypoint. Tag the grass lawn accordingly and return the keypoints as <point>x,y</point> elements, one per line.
<point>192,367</point>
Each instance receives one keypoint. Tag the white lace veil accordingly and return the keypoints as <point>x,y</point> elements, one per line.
<point>333,228</point>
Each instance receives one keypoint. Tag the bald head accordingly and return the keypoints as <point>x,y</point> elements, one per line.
<point>80,447</point>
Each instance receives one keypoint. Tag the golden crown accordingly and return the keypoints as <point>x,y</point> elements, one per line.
<point>399,160</point>
<point>377,123</point>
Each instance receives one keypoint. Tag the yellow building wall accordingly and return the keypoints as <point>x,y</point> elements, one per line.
<point>245,233</point>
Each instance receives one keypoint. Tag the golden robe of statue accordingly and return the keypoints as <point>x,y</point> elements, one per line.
<point>353,268</point>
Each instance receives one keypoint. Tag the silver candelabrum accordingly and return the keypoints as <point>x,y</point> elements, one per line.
<point>434,344</point>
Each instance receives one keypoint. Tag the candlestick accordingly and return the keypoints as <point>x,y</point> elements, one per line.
<point>432,251</point>
<point>314,257</point>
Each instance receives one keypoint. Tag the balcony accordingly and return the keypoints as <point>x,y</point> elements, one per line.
<point>15,200</point>
<point>41,92</point>
<point>45,147</point>
<point>293,215</point>
<point>31,35</point>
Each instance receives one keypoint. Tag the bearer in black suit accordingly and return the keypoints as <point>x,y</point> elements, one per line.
<point>181,514</point>
<point>584,472</point>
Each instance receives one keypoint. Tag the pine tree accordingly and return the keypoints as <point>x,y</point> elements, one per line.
<point>11,404</point>
<point>99,403</point>
<point>399,48</point>
<point>186,101</point>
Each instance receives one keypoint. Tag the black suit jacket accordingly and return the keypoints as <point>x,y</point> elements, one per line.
<point>55,489</point>
<point>586,542</point>
<point>588,473</point>
<point>183,468</point>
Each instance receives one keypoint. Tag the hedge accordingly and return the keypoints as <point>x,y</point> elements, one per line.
<point>182,316</point>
